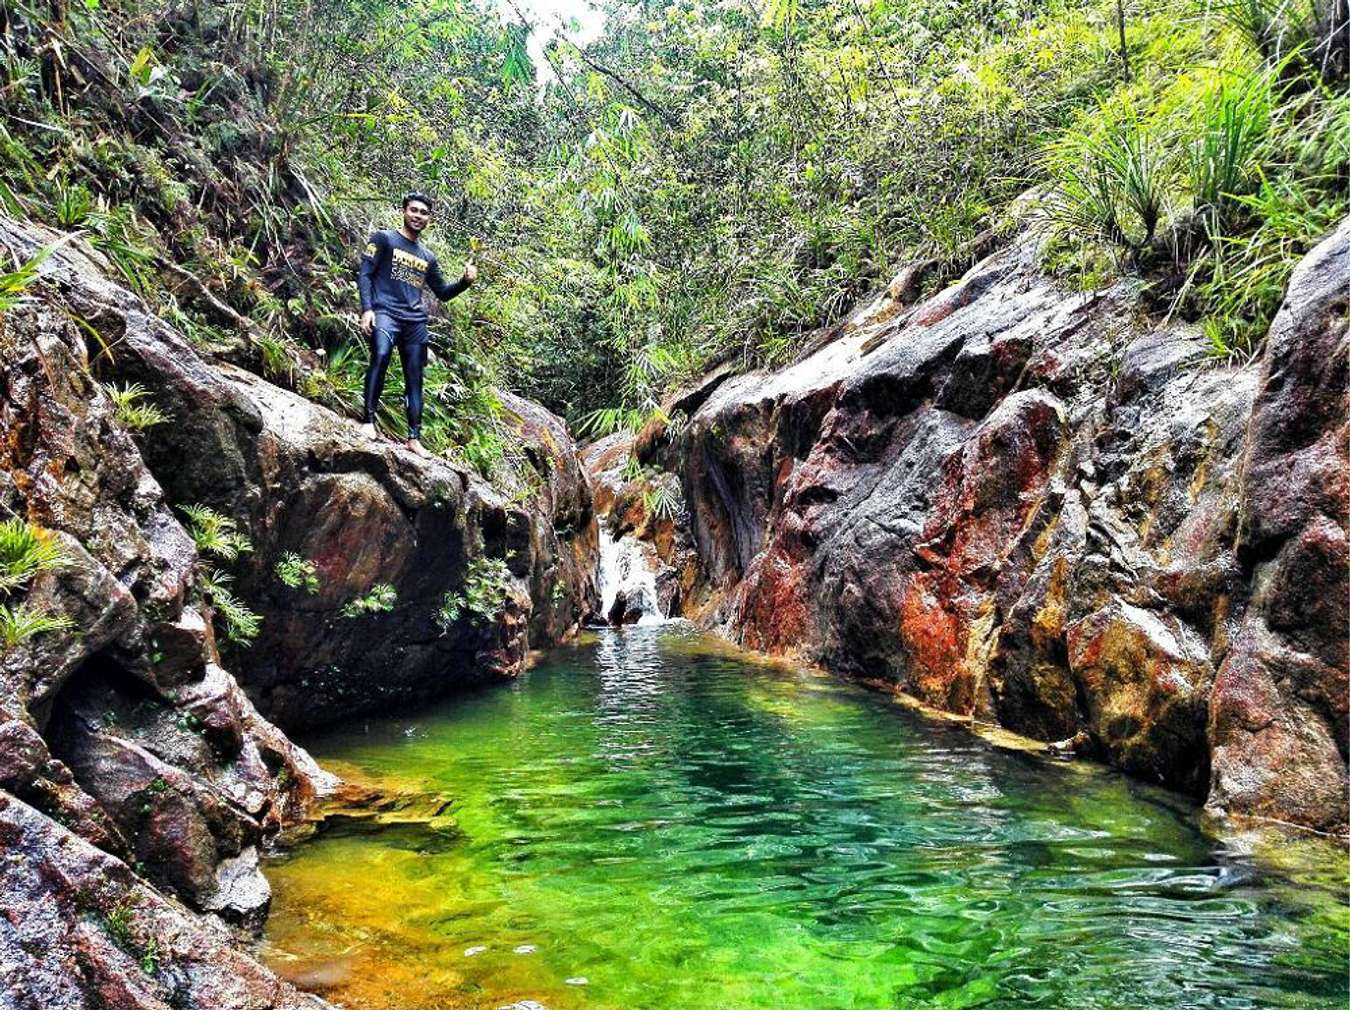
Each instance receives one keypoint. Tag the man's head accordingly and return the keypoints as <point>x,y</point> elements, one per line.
<point>416,212</point>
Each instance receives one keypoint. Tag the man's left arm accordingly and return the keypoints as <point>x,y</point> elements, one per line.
<point>445,291</point>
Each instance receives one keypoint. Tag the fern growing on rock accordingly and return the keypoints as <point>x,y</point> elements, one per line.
<point>297,573</point>
<point>217,535</point>
<point>380,599</point>
<point>480,597</point>
<point>26,550</point>
<point>129,408</point>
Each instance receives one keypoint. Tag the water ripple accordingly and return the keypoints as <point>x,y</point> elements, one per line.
<point>684,830</point>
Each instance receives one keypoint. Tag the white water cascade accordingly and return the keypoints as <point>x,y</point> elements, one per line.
<point>629,565</point>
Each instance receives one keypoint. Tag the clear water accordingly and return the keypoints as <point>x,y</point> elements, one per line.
<point>684,829</point>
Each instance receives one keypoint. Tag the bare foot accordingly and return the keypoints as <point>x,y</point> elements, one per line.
<point>416,448</point>
<point>369,431</point>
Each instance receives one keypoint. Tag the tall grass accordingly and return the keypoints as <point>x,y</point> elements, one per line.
<point>1112,180</point>
<point>1224,162</point>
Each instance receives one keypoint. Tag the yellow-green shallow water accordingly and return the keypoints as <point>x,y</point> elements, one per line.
<point>648,821</point>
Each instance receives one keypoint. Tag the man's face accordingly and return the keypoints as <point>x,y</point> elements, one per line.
<point>416,216</point>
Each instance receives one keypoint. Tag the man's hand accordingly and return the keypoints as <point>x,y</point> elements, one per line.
<point>470,272</point>
<point>367,322</point>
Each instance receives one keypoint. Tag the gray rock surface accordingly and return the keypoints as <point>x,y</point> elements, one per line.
<point>1030,506</point>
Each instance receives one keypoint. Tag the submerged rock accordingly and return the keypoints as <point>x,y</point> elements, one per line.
<point>1023,505</point>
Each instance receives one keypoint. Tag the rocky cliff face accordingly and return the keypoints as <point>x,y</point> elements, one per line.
<point>1032,507</point>
<point>301,480</point>
<point>138,778</point>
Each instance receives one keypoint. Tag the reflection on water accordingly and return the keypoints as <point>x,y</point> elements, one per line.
<point>651,822</point>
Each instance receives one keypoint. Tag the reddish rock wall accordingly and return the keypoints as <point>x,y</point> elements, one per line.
<point>1029,506</point>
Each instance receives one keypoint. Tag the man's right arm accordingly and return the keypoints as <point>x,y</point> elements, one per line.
<point>377,246</point>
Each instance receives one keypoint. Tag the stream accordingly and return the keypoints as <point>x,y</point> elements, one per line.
<point>651,820</point>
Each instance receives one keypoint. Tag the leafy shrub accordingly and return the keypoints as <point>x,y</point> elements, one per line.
<point>278,357</point>
<point>380,599</point>
<point>296,572</point>
<point>481,597</point>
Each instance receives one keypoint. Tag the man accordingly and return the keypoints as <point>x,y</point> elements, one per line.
<point>395,267</point>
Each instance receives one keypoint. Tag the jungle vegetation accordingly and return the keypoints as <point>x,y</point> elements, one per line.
<point>708,181</point>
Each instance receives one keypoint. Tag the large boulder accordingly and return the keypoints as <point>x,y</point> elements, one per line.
<point>79,931</point>
<point>301,480</point>
<point>1029,506</point>
<point>120,731</point>
<point>126,708</point>
<point>1280,717</point>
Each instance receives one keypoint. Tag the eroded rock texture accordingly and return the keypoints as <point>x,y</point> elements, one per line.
<point>123,731</point>
<point>1024,505</point>
<point>301,480</point>
<point>79,931</point>
<point>127,731</point>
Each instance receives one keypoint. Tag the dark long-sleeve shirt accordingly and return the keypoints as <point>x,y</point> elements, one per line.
<point>393,273</point>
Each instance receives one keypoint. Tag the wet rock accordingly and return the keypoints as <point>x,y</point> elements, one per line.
<point>1145,683</point>
<point>80,932</point>
<point>1280,719</point>
<point>122,731</point>
<point>623,611</point>
<point>299,479</point>
<point>1023,505</point>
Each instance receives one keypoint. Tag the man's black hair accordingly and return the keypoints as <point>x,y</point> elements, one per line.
<point>421,198</point>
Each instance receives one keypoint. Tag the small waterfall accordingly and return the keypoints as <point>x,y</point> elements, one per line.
<point>629,566</point>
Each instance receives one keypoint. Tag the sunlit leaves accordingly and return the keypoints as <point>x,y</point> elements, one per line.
<point>516,66</point>
<point>780,13</point>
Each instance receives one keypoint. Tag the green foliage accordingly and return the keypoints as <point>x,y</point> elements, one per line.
<point>117,923</point>
<point>461,412</point>
<point>278,357</point>
<point>129,409</point>
<point>1280,29</point>
<point>380,599</point>
<point>215,534</point>
<point>149,959</point>
<point>14,283</point>
<point>296,572</point>
<point>20,622</point>
<point>73,204</point>
<point>242,625</point>
<point>26,550</point>
<point>1111,181</point>
<point>1224,161</point>
<point>661,501</point>
<point>481,597</point>
<point>702,183</point>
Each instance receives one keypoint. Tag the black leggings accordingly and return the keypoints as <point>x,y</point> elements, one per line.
<point>411,339</point>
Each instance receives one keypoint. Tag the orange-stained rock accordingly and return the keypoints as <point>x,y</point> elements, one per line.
<point>1032,506</point>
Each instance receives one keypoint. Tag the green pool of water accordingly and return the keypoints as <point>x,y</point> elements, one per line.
<point>649,821</point>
